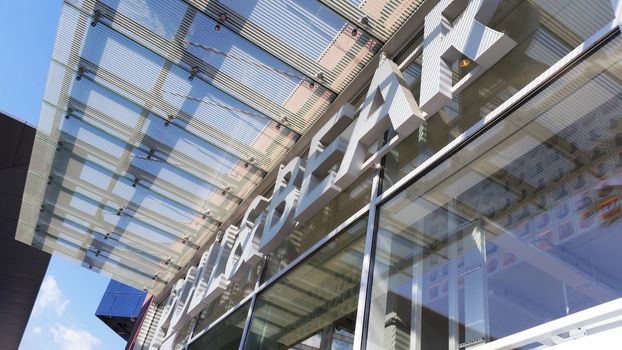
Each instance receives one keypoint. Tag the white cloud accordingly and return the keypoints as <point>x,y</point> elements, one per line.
<point>73,338</point>
<point>37,330</point>
<point>50,297</point>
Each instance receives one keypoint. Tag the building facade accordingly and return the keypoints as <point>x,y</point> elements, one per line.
<point>341,174</point>
<point>23,267</point>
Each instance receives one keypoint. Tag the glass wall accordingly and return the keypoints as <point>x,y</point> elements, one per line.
<point>314,305</point>
<point>306,234</point>
<point>514,229</point>
<point>237,291</point>
<point>518,228</point>
<point>226,335</point>
<point>545,31</point>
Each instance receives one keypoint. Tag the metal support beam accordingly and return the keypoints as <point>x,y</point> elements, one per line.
<point>365,287</point>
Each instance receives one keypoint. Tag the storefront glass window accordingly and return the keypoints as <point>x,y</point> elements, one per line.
<point>305,235</point>
<point>235,293</point>
<point>308,233</point>
<point>226,335</point>
<point>314,305</point>
<point>545,31</point>
<point>183,336</point>
<point>518,228</point>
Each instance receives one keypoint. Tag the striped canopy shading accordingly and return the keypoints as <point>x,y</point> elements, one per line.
<point>160,117</point>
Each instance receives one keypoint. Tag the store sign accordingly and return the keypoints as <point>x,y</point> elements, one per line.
<point>304,186</point>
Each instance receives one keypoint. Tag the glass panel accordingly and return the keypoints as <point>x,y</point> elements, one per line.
<point>225,335</point>
<point>128,172</point>
<point>545,32</point>
<point>274,79</point>
<point>105,304</point>
<point>385,16</point>
<point>314,305</point>
<point>310,232</point>
<point>236,291</point>
<point>183,336</point>
<point>159,117</point>
<point>310,28</point>
<point>518,228</point>
<point>125,304</point>
<point>308,34</point>
<point>163,19</point>
<point>231,120</point>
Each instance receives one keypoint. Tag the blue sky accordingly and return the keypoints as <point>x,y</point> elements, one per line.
<point>64,314</point>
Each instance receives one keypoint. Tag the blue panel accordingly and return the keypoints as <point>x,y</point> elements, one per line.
<point>121,300</point>
<point>139,305</point>
<point>128,290</point>
<point>105,304</point>
<point>125,304</point>
<point>113,286</point>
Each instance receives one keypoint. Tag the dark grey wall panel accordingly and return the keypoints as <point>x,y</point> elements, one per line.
<point>22,267</point>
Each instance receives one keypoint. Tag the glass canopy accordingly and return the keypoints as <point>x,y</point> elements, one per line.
<point>160,117</point>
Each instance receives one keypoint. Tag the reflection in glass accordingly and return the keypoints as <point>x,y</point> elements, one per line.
<point>518,228</point>
<point>314,305</point>
<point>308,233</point>
<point>545,31</point>
<point>226,335</point>
<point>236,291</point>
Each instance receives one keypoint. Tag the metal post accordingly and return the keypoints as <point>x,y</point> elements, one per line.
<point>362,315</point>
<point>193,324</point>
<point>453,315</point>
<point>326,342</point>
<point>475,287</point>
<point>416,302</point>
<point>378,314</point>
<point>251,308</point>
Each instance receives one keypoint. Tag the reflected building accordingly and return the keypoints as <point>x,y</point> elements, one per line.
<point>338,174</point>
